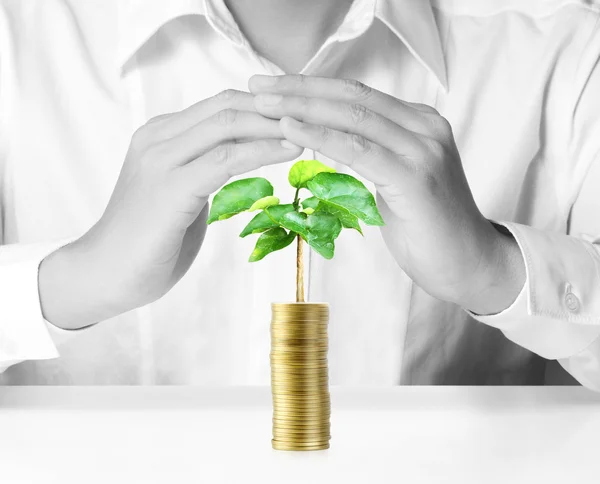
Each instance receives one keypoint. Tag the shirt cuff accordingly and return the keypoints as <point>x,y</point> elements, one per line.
<point>24,333</point>
<point>557,312</point>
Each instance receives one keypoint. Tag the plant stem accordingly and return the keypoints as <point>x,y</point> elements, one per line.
<point>299,259</point>
<point>295,202</point>
<point>299,272</point>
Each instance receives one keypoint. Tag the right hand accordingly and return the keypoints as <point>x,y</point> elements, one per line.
<point>155,220</point>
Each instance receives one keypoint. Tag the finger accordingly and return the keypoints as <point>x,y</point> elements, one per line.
<point>346,117</point>
<point>226,125</point>
<point>212,170</point>
<point>413,116</point>
<point>170,125</point>
<point>374,162</point>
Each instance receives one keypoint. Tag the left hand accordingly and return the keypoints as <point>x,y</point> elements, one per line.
<point>434,228</point>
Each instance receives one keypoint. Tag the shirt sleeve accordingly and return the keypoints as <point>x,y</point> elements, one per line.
<point>557,313</point>
<point>24,332</point>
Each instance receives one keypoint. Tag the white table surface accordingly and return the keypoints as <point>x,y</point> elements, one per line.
<point>410,434</point>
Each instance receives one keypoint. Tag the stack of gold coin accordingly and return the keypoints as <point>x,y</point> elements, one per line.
<point>299,376</point>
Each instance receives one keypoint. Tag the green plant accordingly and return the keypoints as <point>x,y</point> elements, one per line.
<point>338,201</point>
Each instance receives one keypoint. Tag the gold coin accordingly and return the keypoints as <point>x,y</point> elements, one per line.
<point>299,367</point>
<point>300,437</point>
<point>299,335</point>
<point>301,411</point>
<point>303,441</point>
<point>303,444</point>
<point>288,413</point>
<point>303,424</point>
<point>293,414</point>
<point>297,420</point>
<point>280,446</point>
<point>292,448</point>
<point>301,401</point>
<point>305,358</point>
<point>291,341</point>
<point>296,382</point>
<point>281,403</point>
<point>292,367</point>
<point>299,324</point>
<point>306,389</point>
<point>291,379</point>
<point>299,425</point>
<point>306,406</point>
<point>301,431</point>
<point>300,388</point>
<point>301,356</point>
<point>299,392</point>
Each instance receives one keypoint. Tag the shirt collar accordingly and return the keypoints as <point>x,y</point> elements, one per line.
<point>411,20</point>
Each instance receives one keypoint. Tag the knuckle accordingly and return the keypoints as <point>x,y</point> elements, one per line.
<point>323,132</point>
<point>442,127</point>
<point>359,114</point>
<point>224,153</point>
<point>140,138</point>
<point>226,117</point>
<point>155,153</point>
<point>304,104</point>
<point>359,144</point>
<point>425,108</point>
<point>156,119</point>
<point>435,148</point>
<point>226,96</point>
<point>356,88</point>
<point>297,79</point>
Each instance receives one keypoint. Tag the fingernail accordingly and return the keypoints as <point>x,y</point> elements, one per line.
<point>264,81</point>
<point>287,145</point>
<point>269,99</point>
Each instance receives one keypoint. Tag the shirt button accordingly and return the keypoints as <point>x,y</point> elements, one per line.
<point>572,302</point>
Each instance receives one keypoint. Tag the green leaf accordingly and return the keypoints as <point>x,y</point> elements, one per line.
<point>273,239</point>
<point>323,229</point>
<point>348,220</point>
<point>311,202</point>
<point>304,170</point>
<point>295,221</point>
<point>264,202</point>
<point>346,192</point>
<point>308,210</point>
<point>238,196</point>
<point>262,221</point>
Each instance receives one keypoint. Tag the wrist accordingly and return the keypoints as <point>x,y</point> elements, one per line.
<point>77,287</point>
<point>502,276</point>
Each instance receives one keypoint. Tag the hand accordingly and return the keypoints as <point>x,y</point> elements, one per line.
<point>433,227</point>
<point>155,220</point>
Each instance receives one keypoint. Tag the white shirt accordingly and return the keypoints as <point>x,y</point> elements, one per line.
<point>519,83</point>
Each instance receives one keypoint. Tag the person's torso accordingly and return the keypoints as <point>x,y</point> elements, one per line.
<point>73,115</point>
